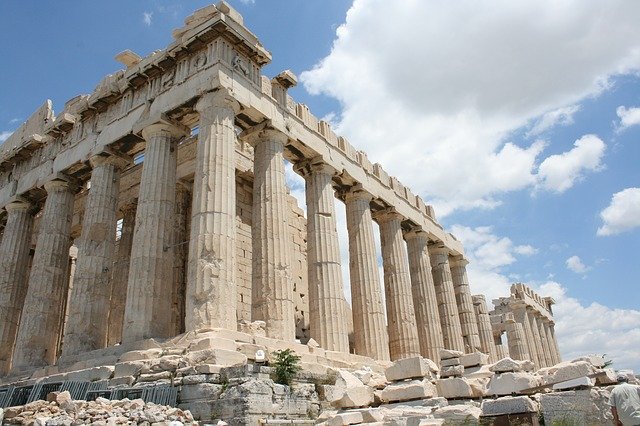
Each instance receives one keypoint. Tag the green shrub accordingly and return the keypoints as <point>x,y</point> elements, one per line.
<point>285,366</point>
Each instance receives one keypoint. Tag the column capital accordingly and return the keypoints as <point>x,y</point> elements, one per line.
<point>416,232</point>
<point>18,204</point>
<point>263,132</point>
<point>164,126</point>
<point>356,192</point>
<point>387,214</point>
<point>314,165</point>
<point>438,248</point>
<point>221,98</point>
<point>59,183</point>
<point>98,160</point>
<point>458,261</point>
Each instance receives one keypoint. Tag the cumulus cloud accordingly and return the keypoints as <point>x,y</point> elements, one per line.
<point>622,214</point>
<point>575,264</point>
<point>147,18</point>
<point>560,116</point>
<point>628,117</point>
<point>560,172</point>
<point>5,135</point>
<point>594,328</point>
<point>450,89</point>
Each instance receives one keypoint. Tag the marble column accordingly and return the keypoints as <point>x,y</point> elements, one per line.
<point>401,318</point>
<point>66,296</point>
<point>468,321</point>
<point>211,298</point>
<point>424,295</point>
<point>369,322</point>
<point>328,319</point>
<point>445,294</point>
<point>148,308</point>
<point>39,328</point>
<point>502,351</point>
<point>535,348</point>
<point>520,316</point>
<point>544,343</point>
<point>181,249</point>
<point>485,334</point>
<point>14,262</point>
<point>553,343</point>
<point>120,275</point>
<point>272,286</point>
<point>88,312</point>
<point>517,341</point>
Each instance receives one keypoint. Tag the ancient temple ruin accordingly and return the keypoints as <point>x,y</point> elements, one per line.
<point>157,206</point>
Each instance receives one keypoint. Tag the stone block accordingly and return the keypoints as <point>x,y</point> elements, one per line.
<point>343,419</point>
<point>474,359</point>
<point>92,374</point>
<point>354,397</point>
<point>478,372</point>
<point>140,355</point>
<point>510,383</point>
<point>372,415</point>
<point>249,350</point>
<point>508,365</point>
<point>202,391</point>
<point>122,381</point>
<point>208,369</point>
<point>571,370</point>
<point>278,345</point>
<point>405,391</point>
<point>169,363</point>
<point>577,407</point>
<point>454,388</point>
<point>153,377</point>
<point>575,383</point>
<point>597,361</point>
<point>212,343</point>
<point>216,356</point>
<point>509,405</point>
<point>458,414</point>
<point>449,362</point>
<point>129,368</point>
<point>452,371</point>
<point>606,377</point>
<point>450,353</point>
<point>314,368</point>
<point>410,368</point>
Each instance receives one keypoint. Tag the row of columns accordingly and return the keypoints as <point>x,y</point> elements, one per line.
<point>429,305</point>
<point>532,336</point>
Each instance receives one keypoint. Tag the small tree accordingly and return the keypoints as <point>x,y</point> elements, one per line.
<point>285,366</point>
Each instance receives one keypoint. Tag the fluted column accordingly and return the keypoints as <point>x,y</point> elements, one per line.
<point>520,315</point>
<point>546,350</point>
<point>445,294</point>
<point>39,328</point>
<point>517,341</point>
<point>272,287</point>
<point>181,249</point>
<point>401,318</point>
<point>369,323</point>
<point>535,347</point>
<point>423,291</point>
<point>468,321</point>
<point>485,332</point>
<point>148,308</point>
<point>120,276</point>
<point>553,343</point>
<point>327,319</point>
<point>87,325</point>
<point>14,262</point>
<point>211,286</point>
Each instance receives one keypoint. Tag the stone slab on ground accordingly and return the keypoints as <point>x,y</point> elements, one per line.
<point>509,405</point>
<point>345,419</point>
<point>410,368</point>
<point>405,391</point>
<point>575,383</point>
<point>458,414</point>
<point>452,371</point>
<point>454,388</point>
<point>510,383</point>
<point>474,359</point>
<point>507,365</point>
<point>571,370</point>
<point>450,353</point>
<point>587,407</point>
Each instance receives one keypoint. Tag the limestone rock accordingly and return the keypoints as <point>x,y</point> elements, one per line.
<point>607,377</point>
<point>510,383</point>
<point>581,407</point>
<point>571,370</point>
<point>509,405</point>
<point>459,414</point>
<point>348,392</point>
<point>575,383</point>
<point>408,390</point>
<point>454,388</point>
<point>595,360</point>
<point>350,418</point>
<point>410,368</point>
<point>474,359</point>
<point>506,365</point>
<point>453,371</point>
<point>450,353</point>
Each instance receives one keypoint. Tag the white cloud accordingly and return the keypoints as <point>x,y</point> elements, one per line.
<point>526,250</point>
<point>575,264</point>
<point>14,120</point>
<point>5,135</point>
<point>595,328</point>
<point>147,18</point>
<point>628,117</point>
<point>622,214</point>
<point>562,116</point>
<point>248,1</point>
<point>481,71</point>
<point>561,171</point>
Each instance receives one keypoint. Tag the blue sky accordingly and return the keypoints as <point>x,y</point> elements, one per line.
<point>515,119</point>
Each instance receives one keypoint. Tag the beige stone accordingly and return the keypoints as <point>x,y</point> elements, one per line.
<point>454,388</point>
<point>509,405</point>
<point>474,359</point>
<point>408,390</point>
<point>452,371</point>
<point>510,383</point>
<point>410,368</point>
